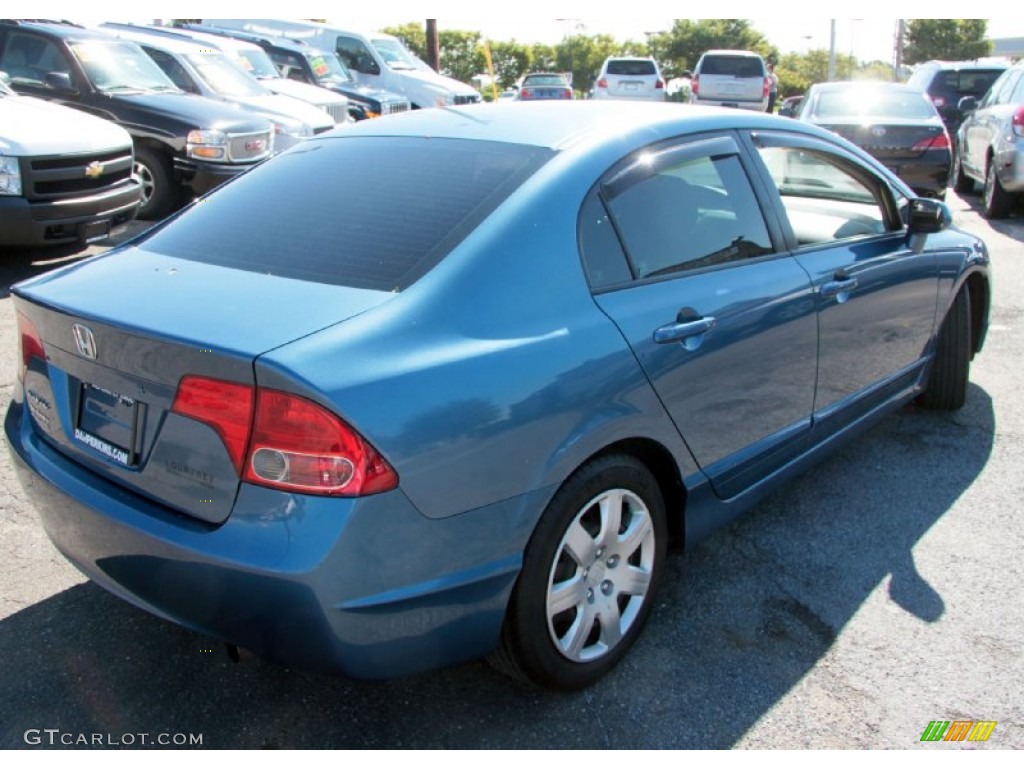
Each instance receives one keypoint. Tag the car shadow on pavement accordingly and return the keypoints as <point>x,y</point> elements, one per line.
<point>1010,226</point>
<point>18,265</point>
<point>739,622</point>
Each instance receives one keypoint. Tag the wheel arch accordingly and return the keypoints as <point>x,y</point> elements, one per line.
<point>979,293</point>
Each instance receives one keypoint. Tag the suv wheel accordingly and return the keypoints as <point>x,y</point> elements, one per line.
<point>997,201</point>
<point>154,172</point>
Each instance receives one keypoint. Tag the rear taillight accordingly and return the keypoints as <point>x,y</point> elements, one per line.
<point>525,93</point>
<point>938,101</point>
<point>567,93</point>
<point>30,342</point>
<point>659,84</point>
<point>935,142</point>
<point>602,83</point>
<point>694,89</point>
<point>1018,122</point>
<point>299,446</point>
<point>766,89</point>
<point>281,440</point>
<point>223,405</point>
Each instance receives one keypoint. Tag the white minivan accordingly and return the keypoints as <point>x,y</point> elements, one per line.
<point>727,78</point>
<point>375,59</point>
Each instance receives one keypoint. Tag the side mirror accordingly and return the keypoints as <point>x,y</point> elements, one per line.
<point>967,104</point>
<point>928,216</point>
<point>60,81</point>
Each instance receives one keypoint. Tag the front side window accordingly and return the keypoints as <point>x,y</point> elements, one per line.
<point>701,212</point>
<point>823,200</point>
<point>28,59</point>
<point>355,55</point>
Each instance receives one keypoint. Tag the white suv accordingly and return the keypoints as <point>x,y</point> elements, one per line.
<point>726,78</point>
<point>630,78</point>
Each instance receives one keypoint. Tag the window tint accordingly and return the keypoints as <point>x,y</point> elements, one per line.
<point>603,258</point>
<point>28,59</point>
<point>1017,97</point>
<point>636,68</point>
<point>732,66</point>
<point>364,212</point>
<point>699,213</point>
<point>872,102</point>
<point>823,200</point>
<point>173,70</point>
<point>953,86</point>
<point>1001,94</point>
<point>355,55</point>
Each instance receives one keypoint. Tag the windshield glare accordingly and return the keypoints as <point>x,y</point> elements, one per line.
<point>870,104</point>
<point>257,63</point>
<point>114,66</point>
<point>223,76</point>
<point>395,55</point>
<point>328,68</point>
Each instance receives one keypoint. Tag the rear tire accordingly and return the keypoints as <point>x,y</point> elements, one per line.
<point>590,573</point>
<point>947,380</point>
<point>158,190</point>
<point>997,201</point>
<point>962,183</point>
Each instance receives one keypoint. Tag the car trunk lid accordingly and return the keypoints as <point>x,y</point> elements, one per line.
<point>891,141</point>
<point>115,358</point>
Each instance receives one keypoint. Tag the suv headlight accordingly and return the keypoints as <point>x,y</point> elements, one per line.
<point>294,129</point>
<point>207,145</point>
<point>10,176</point>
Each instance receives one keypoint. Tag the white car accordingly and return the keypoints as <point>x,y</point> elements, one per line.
<point>728,78</point>
<point>630,77</point>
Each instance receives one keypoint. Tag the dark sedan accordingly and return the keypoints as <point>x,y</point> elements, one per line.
<point>895,123</point>
<point>350,425</point>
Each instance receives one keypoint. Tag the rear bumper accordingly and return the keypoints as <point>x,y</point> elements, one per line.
<point>928,175</point>
<point>368,587</point>
<point>760,105</point>
<point>79,219</point>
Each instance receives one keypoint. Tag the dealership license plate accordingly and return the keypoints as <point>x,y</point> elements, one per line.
<point>107,423</point>
<point>96,230</point>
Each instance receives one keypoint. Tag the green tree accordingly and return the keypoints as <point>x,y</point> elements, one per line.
<point>543,58</point>
<point>462,56</point>
<point>511,61</point>
<point>683,45</point>
<point>949,39</point>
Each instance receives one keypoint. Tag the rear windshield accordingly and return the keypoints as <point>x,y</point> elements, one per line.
<point>634,68</point>
<point>363,212</point>
<point>733,66</point>
<point>855,103</point>
<point>953,86</point>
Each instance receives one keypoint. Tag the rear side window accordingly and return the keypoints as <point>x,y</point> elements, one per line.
<point>732,66</point>
<point>633,68</point>
<point>363,212</point>
<point>953,86</point>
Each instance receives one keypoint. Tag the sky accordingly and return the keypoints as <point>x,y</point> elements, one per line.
<point>787,27</point>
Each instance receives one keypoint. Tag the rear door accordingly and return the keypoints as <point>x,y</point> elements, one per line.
<point>723,325</point>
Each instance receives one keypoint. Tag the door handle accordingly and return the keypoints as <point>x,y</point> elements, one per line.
<point>686,331</point>
<point>842,284</point>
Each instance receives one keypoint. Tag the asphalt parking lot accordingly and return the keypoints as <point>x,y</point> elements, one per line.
<point>878,593</point>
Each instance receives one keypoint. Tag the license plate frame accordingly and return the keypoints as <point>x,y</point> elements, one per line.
<point>108,423</point>
<point>93,231</point>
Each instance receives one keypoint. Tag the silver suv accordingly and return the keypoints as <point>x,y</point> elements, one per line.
<point>630,78</point>
<point>991,144</point>
<point>726,78</point>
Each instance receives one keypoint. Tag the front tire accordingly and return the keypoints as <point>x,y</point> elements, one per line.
<point>589,577</point>
<point>997,201</point>
<point>947,380</point>
<point>158,191</point>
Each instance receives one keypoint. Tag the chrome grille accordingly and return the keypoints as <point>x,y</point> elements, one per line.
<point>247,147</point>
<point>49,177</point>
<point>338,112</point>
<point>397,106</point>
<point>467,99</point>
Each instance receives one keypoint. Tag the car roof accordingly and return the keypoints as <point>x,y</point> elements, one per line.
<point>209,38</point>
<point>730,52</point>
<point>561,125</point>
<point>63,29</point>
<point>865,85</point>
<point>265,39</point>
<point>957,65</point>
<point>154,39</point>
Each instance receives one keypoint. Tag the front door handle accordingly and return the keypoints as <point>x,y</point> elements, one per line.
<point>838,286</point>
<point>688,331</point>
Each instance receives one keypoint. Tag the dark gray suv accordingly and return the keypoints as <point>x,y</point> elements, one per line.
<point>946,82</point>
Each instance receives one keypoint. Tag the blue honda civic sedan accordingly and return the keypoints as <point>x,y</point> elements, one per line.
<point>444,385</point>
